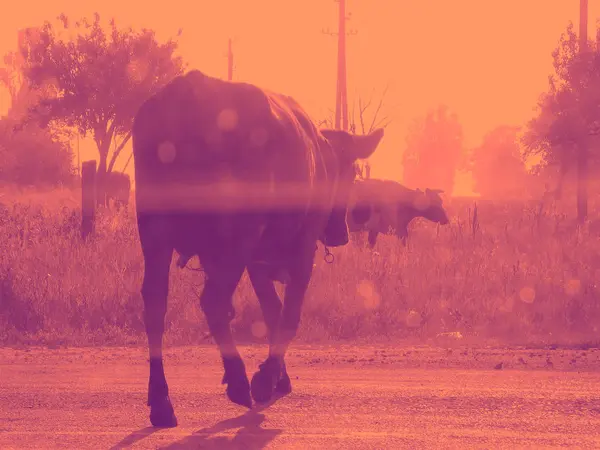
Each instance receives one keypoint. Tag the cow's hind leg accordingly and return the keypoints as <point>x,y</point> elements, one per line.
<point>270,375</point>
<point>271,307</point>
<point>155,288</point>
<point>216,302</point>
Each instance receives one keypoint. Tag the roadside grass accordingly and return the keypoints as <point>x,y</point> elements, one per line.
<point>516,274</point>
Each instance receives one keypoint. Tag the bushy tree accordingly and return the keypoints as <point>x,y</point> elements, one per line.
<point>31,156</point>
<point>564,133</point>
<point>22,94</point>
<point>101,77</point>
<point>434,145</point>
<point>497,165</point>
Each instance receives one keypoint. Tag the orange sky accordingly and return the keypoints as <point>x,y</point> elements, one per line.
<point>488,60</point>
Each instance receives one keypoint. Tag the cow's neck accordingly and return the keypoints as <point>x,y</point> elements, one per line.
<point>405,218</point>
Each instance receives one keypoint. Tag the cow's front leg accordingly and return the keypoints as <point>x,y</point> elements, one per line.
<point>272,373</point>
<point>155,288</point>
<point>271,307</point>
<point>216,302</point>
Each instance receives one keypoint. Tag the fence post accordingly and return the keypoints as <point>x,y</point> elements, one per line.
<point>88,197</point>
<point>475,224</point>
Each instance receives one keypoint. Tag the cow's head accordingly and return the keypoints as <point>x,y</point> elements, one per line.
<point>360,206</point>
<point>361,212</point>
<point>429,204</point>
<point>348,148</point>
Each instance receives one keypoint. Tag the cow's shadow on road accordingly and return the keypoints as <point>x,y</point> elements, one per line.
<point>249,436</point>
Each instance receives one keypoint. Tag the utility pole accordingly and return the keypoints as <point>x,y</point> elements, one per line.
<point>229,61</point>
<point>341,97</point>
<point>582,154</point>
<point>78,158</point>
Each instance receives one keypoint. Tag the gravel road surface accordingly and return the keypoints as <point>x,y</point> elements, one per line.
<point>344,397</point>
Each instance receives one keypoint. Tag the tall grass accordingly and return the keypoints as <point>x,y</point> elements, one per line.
<point>512,272</point>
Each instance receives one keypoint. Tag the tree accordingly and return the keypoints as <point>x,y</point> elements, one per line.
<point>32,157</point>
<point>497,164</point>
<point>434,145</point>
<point>568,120</point>
<point>363,120</point>
<point>22,95</point>
<point>101,78</point>
<point>360,118</point>
<point>11,75</point>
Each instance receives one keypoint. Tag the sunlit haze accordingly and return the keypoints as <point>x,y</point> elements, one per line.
<point>488,61</point>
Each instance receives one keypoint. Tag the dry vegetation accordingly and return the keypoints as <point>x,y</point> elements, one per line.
<point>517,275</point>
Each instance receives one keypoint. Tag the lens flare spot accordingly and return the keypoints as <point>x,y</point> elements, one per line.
<point>413,319</point>
<point>259,329</point>
<point>366,290</point>
<point>227,119</point>
<point>166,152</point>
<point>421,202</point>
<point>527,294</point>
<point>573,287</point>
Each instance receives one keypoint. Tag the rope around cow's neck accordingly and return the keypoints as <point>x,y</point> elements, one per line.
<point>329,257</point>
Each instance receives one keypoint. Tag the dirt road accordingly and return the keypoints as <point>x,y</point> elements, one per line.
<point>344,397</point>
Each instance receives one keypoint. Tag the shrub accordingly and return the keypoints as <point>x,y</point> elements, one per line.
<point>30,157</point>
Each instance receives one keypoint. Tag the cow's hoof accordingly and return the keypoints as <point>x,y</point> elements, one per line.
<point>162,414</point>
<point>284,385</point>
<point>239,393</point>
<point>238,386</point>
<point>265,380</point>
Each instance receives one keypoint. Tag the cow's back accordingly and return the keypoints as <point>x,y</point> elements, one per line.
<point>210,149</point>
<point>375,204</point>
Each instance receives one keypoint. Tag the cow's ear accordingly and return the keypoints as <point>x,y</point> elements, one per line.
<point>337,138</point>
<point>353,146</point>
<point>364,146</point>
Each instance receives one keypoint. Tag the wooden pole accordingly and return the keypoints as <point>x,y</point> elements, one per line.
<point>582,156</point>
<point>229,61</point>
<point>583,25</point>
<point>341,104</point>
<point>88,197</point>
<point>341,95</point>
<point>78,157</point>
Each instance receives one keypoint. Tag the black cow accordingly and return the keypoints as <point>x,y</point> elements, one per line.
<point>378,205</point>
<point>242,178</point>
